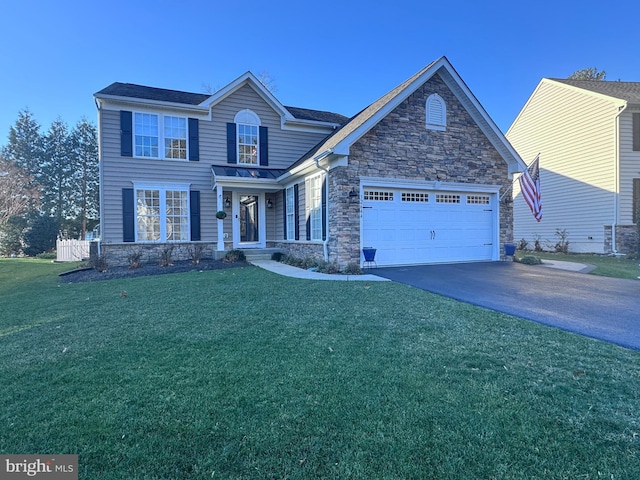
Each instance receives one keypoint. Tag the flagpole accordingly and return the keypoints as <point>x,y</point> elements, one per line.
<point>515,180</point>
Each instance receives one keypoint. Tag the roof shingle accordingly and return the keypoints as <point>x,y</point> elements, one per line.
<point>629,91</point>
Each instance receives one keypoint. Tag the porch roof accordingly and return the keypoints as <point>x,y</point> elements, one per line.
<point>246,177</point>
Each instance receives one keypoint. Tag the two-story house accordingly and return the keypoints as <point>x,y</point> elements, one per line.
<point>416,175</point>
<point>587,134</point>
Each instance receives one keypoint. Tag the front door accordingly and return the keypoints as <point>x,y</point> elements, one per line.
<point>248,222</point>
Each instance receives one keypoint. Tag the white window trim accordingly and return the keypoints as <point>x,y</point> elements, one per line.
<point>429,122</point>
<point>161,146</point>
<point>162,189</point>
<point>290,216</point>
<point>315,219</point>
<point>249,118</point>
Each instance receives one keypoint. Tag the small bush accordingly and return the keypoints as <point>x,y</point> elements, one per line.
<point>523,244</point>
<point>352,268</point>
<point>278,256</point>
<point>100,263</point>
<point>234,256</point>
<point>537,247</point>
<point>293,261</point>
<point>166,256</point>
<point>47,256</point>
<point>310,262</point>
<point>327,267</point>
<point>530,260</point>
<point>562,245</point>
<point>134,258</point>
<point>195,252</point>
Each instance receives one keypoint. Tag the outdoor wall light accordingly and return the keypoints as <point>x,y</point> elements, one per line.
<point>269,203</point>
<point>227,202</point>
<point>353,196</point>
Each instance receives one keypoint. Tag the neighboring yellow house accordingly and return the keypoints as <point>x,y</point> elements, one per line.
<point>588,136</point>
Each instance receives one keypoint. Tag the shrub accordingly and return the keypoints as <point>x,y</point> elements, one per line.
<point>134,258</point>
<point>196,252</point>
<point>234,256</point>
<point>562,245</point>
<point>100,263</point>
<point>310,262</point>
<point>352,268</point>
<point>221,214</point>
<point>11,235</point>
<point>47,256</point>
<point>530,260</point>
<point>166,256</point>
<point>523,244</point>
<point>327,267</point>
<point>278,256</point>
<point>41,236</point>
<point>536,244</point>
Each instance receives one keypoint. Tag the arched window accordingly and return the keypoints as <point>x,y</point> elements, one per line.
<point>436,113</point>
<point>248,131</point>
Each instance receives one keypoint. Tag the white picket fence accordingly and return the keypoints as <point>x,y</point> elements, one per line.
<point>72,250</point>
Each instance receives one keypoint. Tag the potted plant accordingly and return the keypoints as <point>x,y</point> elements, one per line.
<point>369,254</point>
<point>221,214</point>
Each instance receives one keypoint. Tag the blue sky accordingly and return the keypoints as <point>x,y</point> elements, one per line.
<point>331,55</point>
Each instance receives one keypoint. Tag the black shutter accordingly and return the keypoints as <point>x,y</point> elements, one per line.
<point>636,200</point>
<point>296,211</point>
<point>324,208</point>
<point>194,202</point>
<point>264,146</point>
<point>636,132</point>
<point>284,213</point>
<point>194,140</point>
<point>128,216</point>
<point>126,134</point>
<point>231,143</point>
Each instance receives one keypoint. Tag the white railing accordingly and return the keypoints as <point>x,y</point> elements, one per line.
<point>72,250</point>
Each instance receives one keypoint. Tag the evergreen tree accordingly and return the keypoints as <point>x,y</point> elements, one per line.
<point>56,174</point>
<point>588,74</point>
<point>25,144</point>
<point>84,144</point>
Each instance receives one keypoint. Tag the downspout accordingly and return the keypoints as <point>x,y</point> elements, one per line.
<point>616,193</point>
<point>325,242</point>
<point>100,182</point>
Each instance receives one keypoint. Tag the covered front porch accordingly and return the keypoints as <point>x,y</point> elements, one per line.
<point>250,199</point>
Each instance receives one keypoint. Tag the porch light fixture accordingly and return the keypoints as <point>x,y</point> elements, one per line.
<point>353,196</point>
<point>227,202</point>
<point>269,203</point>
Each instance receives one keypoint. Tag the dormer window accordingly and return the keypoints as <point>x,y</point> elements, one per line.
<point>436,111</point>
<point>248,135</point>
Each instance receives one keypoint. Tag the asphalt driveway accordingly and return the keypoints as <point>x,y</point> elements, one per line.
<point>598,307</point>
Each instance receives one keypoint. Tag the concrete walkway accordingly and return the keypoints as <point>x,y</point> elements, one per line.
<point>295,272</point>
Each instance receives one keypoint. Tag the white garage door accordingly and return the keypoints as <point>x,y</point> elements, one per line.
<point>412,226</point>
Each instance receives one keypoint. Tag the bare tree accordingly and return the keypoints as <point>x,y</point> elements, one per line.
<point>18,194</point>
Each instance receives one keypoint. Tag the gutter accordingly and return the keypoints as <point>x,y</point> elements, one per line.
<point>325,242</point>
<point>616,170</point>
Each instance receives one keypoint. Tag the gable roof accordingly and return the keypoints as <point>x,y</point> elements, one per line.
<point>627,91</point>
<point>340,141</point>
<point>142,92</point>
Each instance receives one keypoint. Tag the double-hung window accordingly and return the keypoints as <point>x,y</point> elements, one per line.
<point>248,137</point>
<point>160,136</point>
<point>315,206</point>
<point>291,214</point>
<point>162,213</point>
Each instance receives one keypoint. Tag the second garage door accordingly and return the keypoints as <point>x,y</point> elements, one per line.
<point>414,226</point>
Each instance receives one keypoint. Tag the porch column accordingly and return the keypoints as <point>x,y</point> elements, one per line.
<point>220,207</point>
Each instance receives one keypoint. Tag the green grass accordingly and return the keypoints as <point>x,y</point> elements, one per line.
<point>606,266</point>
<point>242,374</point>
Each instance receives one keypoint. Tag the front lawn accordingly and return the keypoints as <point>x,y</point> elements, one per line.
<point>606,265</point>
<point>243,374</point>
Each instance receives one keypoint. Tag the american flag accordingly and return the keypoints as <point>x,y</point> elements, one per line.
<point>530,187</point>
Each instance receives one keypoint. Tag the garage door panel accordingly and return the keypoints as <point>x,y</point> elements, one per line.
<point>458,227</point>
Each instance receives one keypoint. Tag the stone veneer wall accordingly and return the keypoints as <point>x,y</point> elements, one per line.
<point>626,239</point>
<point>300,250</point>
<point>400,146</point>
<point>116,253</point>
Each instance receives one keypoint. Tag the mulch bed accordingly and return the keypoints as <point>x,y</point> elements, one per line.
<point>93,275</point>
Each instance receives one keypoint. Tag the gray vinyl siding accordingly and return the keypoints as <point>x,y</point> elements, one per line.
<point>574,133</point>
<point>285,147</point>
<point>629,166</point>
